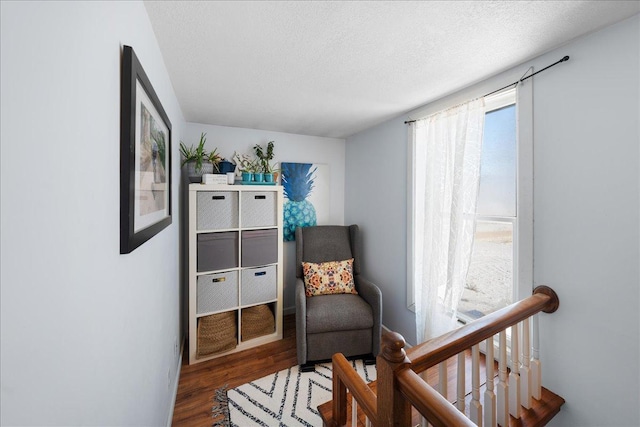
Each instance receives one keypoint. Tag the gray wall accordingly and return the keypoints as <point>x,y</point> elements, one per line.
<point>287,148</point>
<point>375,199</point>
<point>87,335</point>
<point>586,232</point>
<point>586,219</point>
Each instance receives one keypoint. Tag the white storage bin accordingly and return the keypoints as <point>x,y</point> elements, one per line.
<point>259,285</point>
<point>259,209</point>
<point>217,292</point>
<point>217,210</point>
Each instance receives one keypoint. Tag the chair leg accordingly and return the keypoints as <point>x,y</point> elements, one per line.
<point>369,359</point>
<point>307,367</point>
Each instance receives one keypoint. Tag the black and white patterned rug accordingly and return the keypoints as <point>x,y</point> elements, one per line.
<point>287,398</point>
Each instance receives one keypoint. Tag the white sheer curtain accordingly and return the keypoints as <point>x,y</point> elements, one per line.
<point>447,146</point>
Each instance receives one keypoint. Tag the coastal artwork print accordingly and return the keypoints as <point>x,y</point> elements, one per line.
<point>145,160</point>
<point>306,193</point>
<point>151,196</point>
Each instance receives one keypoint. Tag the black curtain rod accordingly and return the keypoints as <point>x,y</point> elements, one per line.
<point>566,58</point>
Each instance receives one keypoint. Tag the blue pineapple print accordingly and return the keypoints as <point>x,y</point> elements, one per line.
<point>297,180</point>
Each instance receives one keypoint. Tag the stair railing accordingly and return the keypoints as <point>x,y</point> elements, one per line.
<point>400,387</point>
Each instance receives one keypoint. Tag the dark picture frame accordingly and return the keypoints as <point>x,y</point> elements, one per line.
<point>145,157</point>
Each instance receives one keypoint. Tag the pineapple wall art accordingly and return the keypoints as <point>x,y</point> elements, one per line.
<point>306,196</point>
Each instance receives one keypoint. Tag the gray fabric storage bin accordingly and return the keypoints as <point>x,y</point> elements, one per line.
<point>258,285</point>
<point>217,292</point>
<point>258,209</point>
<point>217,210</point>
<point>259,247</point>
<point>217,251</point>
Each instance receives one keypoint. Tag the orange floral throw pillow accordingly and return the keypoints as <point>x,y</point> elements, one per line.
<point>325,278</point>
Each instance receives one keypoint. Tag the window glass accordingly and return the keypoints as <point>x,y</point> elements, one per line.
<point>490,282</point>
<point>489,285</point>
<point>497,193</point>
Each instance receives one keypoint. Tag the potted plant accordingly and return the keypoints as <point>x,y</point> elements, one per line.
<point>256,171</point>
<point>196,160</point>
<point>215,159</point>
<point>246,165</point>
<point>271,175</point>
<point>264,157</point>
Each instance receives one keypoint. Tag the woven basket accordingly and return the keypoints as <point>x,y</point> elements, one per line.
<point>217,333</point>
<point>257,321</point>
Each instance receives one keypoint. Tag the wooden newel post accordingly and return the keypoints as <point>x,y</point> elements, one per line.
<point>393,409</point>
<point>339,405</point>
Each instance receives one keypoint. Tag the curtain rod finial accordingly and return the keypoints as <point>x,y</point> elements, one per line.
<point>566,58</point>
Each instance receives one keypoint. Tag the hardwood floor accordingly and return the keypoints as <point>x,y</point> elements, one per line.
<point>199,382</point>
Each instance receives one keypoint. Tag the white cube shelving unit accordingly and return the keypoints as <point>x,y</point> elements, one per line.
<point>235,257</point>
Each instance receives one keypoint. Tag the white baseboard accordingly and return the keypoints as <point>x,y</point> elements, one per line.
<point>175,386</point>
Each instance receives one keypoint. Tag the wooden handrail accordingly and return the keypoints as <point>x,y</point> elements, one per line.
<point>399,385</point>
<point>431,404</point>
<point>345,377</point>
<point>439,349</point>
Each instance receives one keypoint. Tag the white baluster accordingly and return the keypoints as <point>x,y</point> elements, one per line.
<point>489,395</point>
<point>461,392</point>
<point>503,387</point>
<point>514,376</point>
<point>367,422</point>
<point>354,411</point>
<point>525,371</point>
<point>423,420</point>
<point>536,368</point>
<point>443,378</point>
<point>475,409</point>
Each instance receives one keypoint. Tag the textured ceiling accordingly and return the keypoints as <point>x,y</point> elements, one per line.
<point>335,68</point>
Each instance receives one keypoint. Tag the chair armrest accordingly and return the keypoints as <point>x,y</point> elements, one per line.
<point>301,322</point>
<point>373,296</point>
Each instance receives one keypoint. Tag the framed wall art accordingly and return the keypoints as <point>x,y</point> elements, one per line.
<point>145,158</point>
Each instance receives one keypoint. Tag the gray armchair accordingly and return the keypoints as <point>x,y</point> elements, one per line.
<point>344,323</point>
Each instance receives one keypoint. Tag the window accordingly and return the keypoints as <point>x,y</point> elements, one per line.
<point>503,249</point>
<point>490,280</point>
